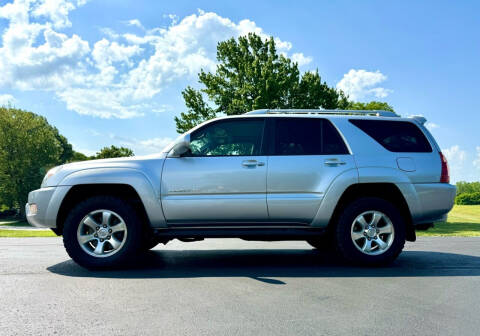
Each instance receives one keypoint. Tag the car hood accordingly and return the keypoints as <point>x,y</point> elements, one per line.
<point>150,164</point>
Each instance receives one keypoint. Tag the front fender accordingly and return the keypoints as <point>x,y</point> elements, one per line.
<point>149,195</point>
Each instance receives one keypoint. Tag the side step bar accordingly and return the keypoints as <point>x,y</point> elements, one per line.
<point>247,233</point>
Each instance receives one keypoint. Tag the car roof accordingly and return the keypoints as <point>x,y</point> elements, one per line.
<point>323,116</point>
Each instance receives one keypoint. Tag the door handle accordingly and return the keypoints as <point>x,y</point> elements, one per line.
<point>252,163</point>
<point>334,162</point>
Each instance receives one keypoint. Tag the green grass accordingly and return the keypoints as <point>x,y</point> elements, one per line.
<point>13,223</point>
<point>463,220</point>
<point>26,233</point>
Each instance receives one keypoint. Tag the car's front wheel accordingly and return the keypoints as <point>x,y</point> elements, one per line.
<point>370,231</point>
<point>102,232</point>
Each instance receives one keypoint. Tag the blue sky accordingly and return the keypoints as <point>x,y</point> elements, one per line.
<point>111,71</point>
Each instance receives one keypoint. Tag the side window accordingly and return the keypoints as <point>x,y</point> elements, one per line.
<point>332,141</point>
<point>395,136</point>
<point>298,136</point>
<point>306,136</point>
<point>237,137</point>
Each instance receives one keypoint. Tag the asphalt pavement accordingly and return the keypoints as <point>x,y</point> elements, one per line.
<point>234,287</point>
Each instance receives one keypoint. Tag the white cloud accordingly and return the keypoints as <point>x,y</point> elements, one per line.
<point>105,53</point>
<point>454,153</point>
<point>100,103</point>
<point>476,161</point>
<point>154,145</point>
<point>301,59</point>
<point>456,158</point>
<point>462,166</point>
<point>56,11</point>
<point>117,76</point>
<point>27,64</point>
<point>142,147</point>
<point>431,125</point>
<point>135,22</point>
<point>6,99</point>
<point>361,84</point>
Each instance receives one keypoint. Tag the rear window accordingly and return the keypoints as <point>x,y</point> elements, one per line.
<point>395,136</point>
<point>306,136</point>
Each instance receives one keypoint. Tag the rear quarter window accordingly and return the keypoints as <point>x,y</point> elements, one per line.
<point>395,136</point>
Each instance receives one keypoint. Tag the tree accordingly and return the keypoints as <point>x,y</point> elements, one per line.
<point>66,154</point>
<point>252,75</point>
<point>29,145</point>
<point>373,105</point>
<point>113,152</point>
<point>467,187</point>
<point>77,156</point>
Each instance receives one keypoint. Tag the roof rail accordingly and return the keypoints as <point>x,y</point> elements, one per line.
<point>378,113</point>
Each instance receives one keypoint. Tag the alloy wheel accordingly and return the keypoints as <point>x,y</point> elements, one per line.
<point>102,233</point>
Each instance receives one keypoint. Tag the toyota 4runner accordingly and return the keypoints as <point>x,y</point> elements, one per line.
<point>361,182</point>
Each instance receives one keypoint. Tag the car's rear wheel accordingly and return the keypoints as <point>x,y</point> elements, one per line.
<point>371,232</point>
<point>102,232</point>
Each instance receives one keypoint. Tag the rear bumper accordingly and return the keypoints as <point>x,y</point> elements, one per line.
<point>43,205</point>
<point>435,201</point>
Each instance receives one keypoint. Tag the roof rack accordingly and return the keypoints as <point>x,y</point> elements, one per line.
<point>378,113</point>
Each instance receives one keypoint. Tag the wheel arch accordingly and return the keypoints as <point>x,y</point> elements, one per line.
<point>81,192</point>
<point>387,191</point>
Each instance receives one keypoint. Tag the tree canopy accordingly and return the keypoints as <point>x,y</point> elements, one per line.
<point>373,105</point>
<point>113,152</point>
<point>29,145</point>
<point>251,75</point>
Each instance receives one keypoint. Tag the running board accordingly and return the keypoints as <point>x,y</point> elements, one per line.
<point>244,232</point>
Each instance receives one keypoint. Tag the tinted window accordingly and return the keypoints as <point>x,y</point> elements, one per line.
<point>228,138</point>
<point>332,141</point>
<point>306,136</point>
<point>396,136</point>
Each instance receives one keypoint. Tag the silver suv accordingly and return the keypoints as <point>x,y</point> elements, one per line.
<point>359,182</point>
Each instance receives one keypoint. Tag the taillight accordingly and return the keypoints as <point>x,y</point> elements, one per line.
<point>445,176</point>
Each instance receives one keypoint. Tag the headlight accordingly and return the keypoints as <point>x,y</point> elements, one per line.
<point>49,174</point>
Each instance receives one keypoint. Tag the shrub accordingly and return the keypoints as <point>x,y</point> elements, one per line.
<point>468,198</point>
<point>467,187</point>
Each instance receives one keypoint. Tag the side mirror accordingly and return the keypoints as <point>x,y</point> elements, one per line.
<point>180,147</point>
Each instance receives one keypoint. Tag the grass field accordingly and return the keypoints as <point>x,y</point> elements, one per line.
<point>26,233</point>
<point>14,223</point>
<point>463,220</point>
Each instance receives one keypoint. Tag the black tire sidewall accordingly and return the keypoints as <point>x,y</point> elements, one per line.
<point>344,241</point>
<point>119,206</point>
<point>324,242</point>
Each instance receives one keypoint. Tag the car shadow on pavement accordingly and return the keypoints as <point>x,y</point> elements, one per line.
<point>266,265</point>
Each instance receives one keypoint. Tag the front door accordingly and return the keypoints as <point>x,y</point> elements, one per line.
<point>222,180</point>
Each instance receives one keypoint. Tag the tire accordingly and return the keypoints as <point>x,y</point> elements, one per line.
<point>89,222</point>
<point>322,243</point>
<point>149,243</point>
<point>354,236</point>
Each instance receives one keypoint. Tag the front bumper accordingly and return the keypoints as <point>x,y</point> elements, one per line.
<point>43,205</point>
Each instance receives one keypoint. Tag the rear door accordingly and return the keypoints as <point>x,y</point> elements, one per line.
<point>222,179</point>
<point>305,156</point>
